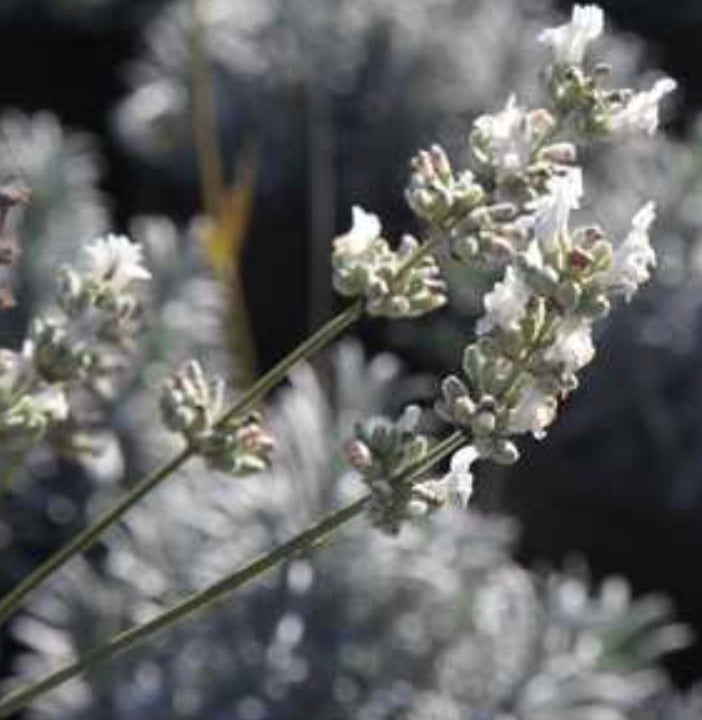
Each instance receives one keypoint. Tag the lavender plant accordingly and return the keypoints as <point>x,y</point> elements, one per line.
<point>512,216</point>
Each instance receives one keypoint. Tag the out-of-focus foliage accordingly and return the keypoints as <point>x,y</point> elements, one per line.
<point>61,169</point>
<point>367,628</point>
<point>383,74</point>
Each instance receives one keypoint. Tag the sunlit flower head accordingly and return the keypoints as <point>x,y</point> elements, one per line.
<point>552,211</point>
<point>508,135</point>
<point>114,262</point>
<point>573,347</point>
<point>506,304</point>
<point>633,259</point>
<point>640,113</point>
<point>569,42</point>
<point>535,411</point>
<point>459,480</point>
<point>365,228</point>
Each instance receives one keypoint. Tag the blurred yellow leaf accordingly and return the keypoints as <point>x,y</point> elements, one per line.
<point>225,235</point>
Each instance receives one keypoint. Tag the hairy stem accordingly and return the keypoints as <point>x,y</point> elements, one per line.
<point>196,602</point>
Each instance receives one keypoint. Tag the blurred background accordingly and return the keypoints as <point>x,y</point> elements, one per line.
<point>106,111</point>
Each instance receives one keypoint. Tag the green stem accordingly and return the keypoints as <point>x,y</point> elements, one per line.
<point>196,602</point>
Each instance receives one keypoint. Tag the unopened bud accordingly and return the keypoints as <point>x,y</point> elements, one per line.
<point>465,248</point>
<point>504,452</point>
<point>441,162</point>
<point>502,212</point>
<point>358,455</point>
<point>484,423</point>
<point>563,153</point>
<point>462,410</point>
<point>579,260</point>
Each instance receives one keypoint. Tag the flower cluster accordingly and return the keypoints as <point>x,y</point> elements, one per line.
<point>192,406</point>
<point>592,107</point>
<point>512,216</point>
<point>29,407</point>
<point>435,192</point>
<point>385,452</point>
<point>381,452</point>
<point>73,347</point>
<point>100,313</point>
<point>398,283</point>
<point>536,333</point>
<point>554,649</point>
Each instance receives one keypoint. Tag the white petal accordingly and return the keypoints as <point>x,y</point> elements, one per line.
<point>365,228</point>
<point>505,305</point>
<point>534,412</point>
<point>640,114</point>
<point>569,42</point>
<point>115,261</point>
<point>573,347</point>
<point>552,211</point>
<point>509,135</point>
<point>459,480</point>
<point>634,257</point>
<point>462,459</point>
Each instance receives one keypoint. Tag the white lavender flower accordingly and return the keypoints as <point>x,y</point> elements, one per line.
<point>572,348</point>
<point>569,42</point>
<point>633,259</point>
<point>506,139</point>
<point>114,262</point>
<point>640,113</point>
<point>382,451</point>
<point>552,211</point>
<point>365,229</point>
<point>16,372</point>
<point>534,412</point>
<point>458,481</point>
<point>25,423</point>
<point>435,192</point>
<point>391,282</point>
<point>191,404</point>
<point>51,402</point>
<point>506,304</point>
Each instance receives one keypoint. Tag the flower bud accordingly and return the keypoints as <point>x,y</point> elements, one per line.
<point>462,410</point>
<point>358,455</point>
<point>504,452</point>
<point>563,153</point>
<point>483,422</point>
